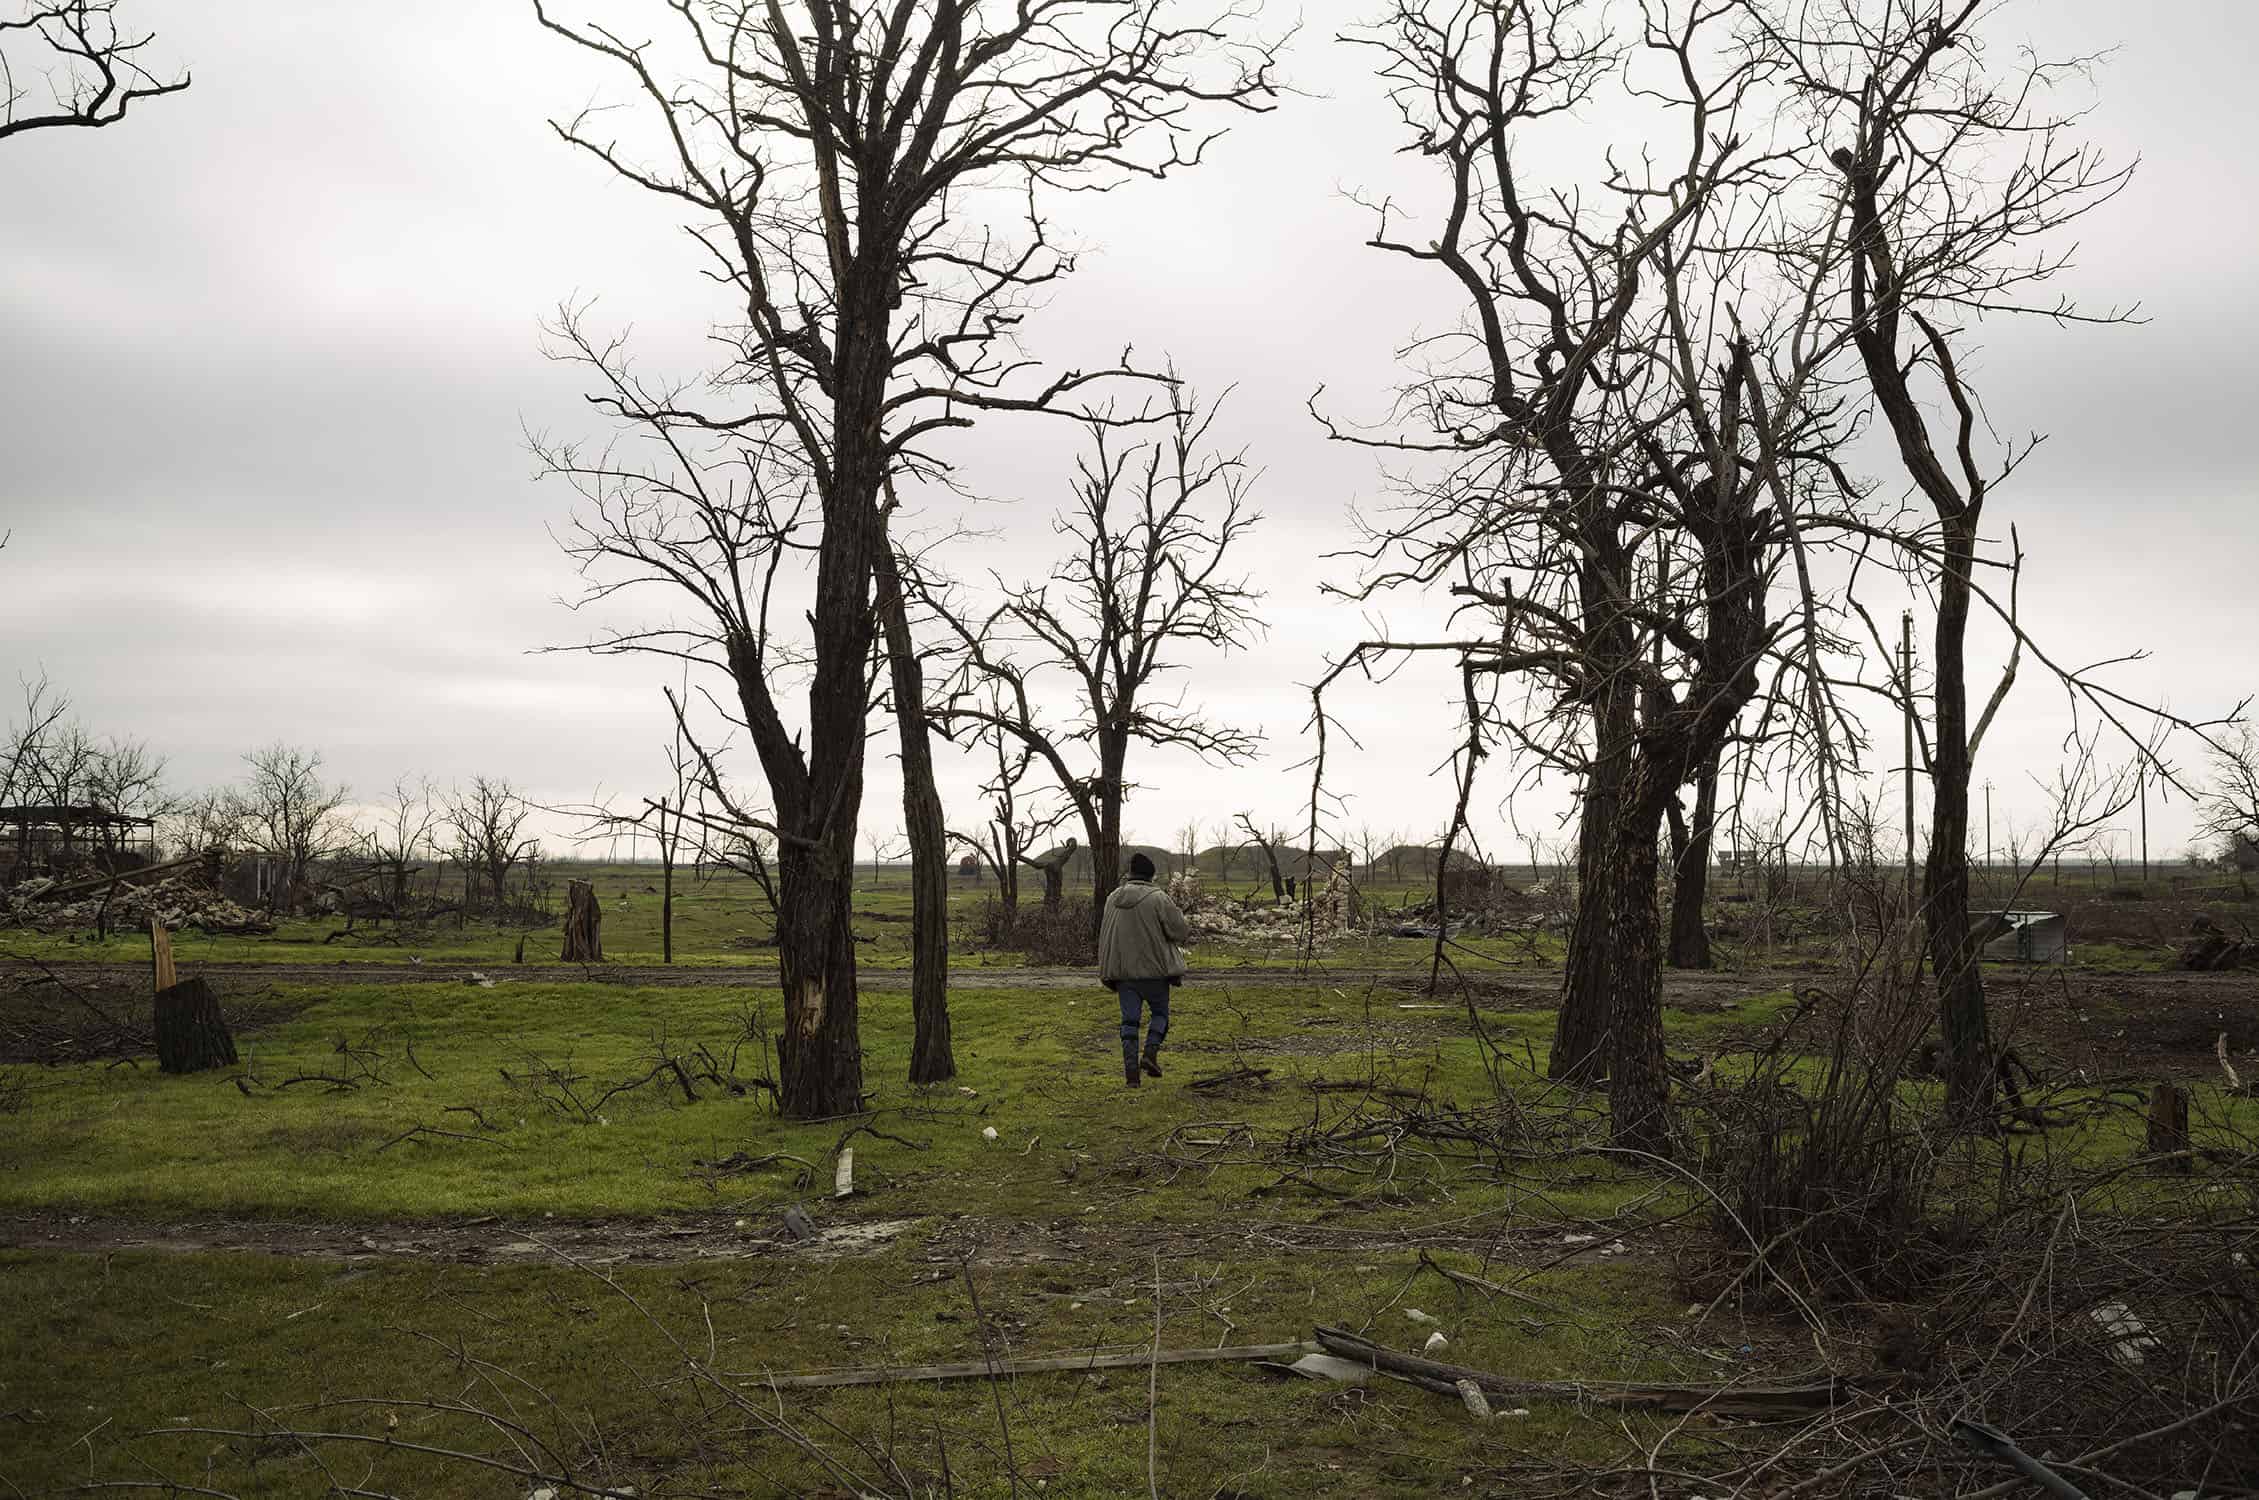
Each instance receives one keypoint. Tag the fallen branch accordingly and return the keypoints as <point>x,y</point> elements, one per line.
<point>1236,1075</point>
<point>1808,1394</point>
<point>453,1135</point>
<point>1030,1365</point>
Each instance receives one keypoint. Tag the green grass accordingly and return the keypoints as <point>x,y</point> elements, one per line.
<point>1087,1187</point>
<point>1041,1065</point>
<point>162,1343</point>
<point>1076,1203</point>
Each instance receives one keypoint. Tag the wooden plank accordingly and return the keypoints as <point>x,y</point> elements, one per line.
<point>979,1369</point>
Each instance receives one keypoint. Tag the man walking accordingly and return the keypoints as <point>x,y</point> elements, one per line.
<point>1138,960</point>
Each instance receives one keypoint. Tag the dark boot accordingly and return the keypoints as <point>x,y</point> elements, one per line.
<point>1153,1061</point>
<point>1129,1064</point>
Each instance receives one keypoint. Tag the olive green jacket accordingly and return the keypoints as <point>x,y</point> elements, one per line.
<point>1139,935</point>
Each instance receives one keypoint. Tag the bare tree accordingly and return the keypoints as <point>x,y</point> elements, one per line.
<point>1622,439</point>
<point>1950,183</point>
<point>1267,844</point>
<point>399,836</point>
<point>23,759</point>
<point>2229,813</point>
<point>89,72</point>
<point>488,820</point>
<point>1014,829</point>
<point>1142,581</point>
<point>287,813</point>
<point>839,161</point>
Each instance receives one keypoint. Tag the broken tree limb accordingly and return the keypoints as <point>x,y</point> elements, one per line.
<point>161,957</point>
<point>1031,1365</point>
<point>1807,1393</point>
<point>1477,1283</point>
<point>1236,1075</point>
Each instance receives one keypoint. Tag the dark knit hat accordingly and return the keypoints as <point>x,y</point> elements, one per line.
<point>1141,868</point>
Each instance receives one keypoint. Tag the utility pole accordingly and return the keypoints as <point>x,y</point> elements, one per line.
<point>1988,827</point>
<point>2141,780</point>
<point>1906,682</point>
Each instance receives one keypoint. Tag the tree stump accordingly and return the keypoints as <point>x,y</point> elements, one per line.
<point>2168,1125</point>
<point>584,922</point>
<point>191,1033</point>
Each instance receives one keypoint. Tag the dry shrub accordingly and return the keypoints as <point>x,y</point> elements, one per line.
<point>1813,1154</point>
<point>2101,1309</point>
<point>1057,936</point>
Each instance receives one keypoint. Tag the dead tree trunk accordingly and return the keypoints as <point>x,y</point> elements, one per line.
<point>1106,835</point>
<point>667,883</point>
<point>1638,1083</point>
<point>584,923</point>
<point>1580,1031</point>
<point>2168,1125</point>
<point>1963,1020</point>
<point>932,1059</point>
<point>192,1035</point>
<point>1690,872</point>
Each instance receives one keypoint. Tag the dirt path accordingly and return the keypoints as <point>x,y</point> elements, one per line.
<point>1507,990</point>
<point>677,1239</point>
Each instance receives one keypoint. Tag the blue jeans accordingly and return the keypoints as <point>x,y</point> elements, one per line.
<point>1136,994</point>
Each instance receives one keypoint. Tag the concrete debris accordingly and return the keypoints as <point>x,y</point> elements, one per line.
<point>179,901</point>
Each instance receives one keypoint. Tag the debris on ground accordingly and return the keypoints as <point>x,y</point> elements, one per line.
<point>183,901</point>
<point>2209,950</point>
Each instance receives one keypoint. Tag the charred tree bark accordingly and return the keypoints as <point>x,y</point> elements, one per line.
<point>931,1058</point>
<point>1690,872</point>
<point>584,924</point>
<point>191,1033</point>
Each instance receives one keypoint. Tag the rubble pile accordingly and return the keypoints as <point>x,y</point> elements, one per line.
<point>2209,949</point>
<point>180,901</point>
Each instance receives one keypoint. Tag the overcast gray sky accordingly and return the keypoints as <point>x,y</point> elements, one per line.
<point>271,349</point>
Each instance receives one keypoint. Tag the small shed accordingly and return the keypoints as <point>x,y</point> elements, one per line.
<point>2030,937</point>
<point>57,839</point>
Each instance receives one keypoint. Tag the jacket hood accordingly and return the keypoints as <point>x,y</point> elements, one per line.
<point>1133,893</point>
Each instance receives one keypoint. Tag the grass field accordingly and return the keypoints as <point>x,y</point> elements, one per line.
<point>464,1219</point>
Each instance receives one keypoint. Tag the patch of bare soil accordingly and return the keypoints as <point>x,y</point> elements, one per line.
<point>675,1239</point>
<point>2139,1026</point>
<point>488,1241</point>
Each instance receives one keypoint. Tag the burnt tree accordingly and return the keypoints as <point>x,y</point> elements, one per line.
<point>838,161</point>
